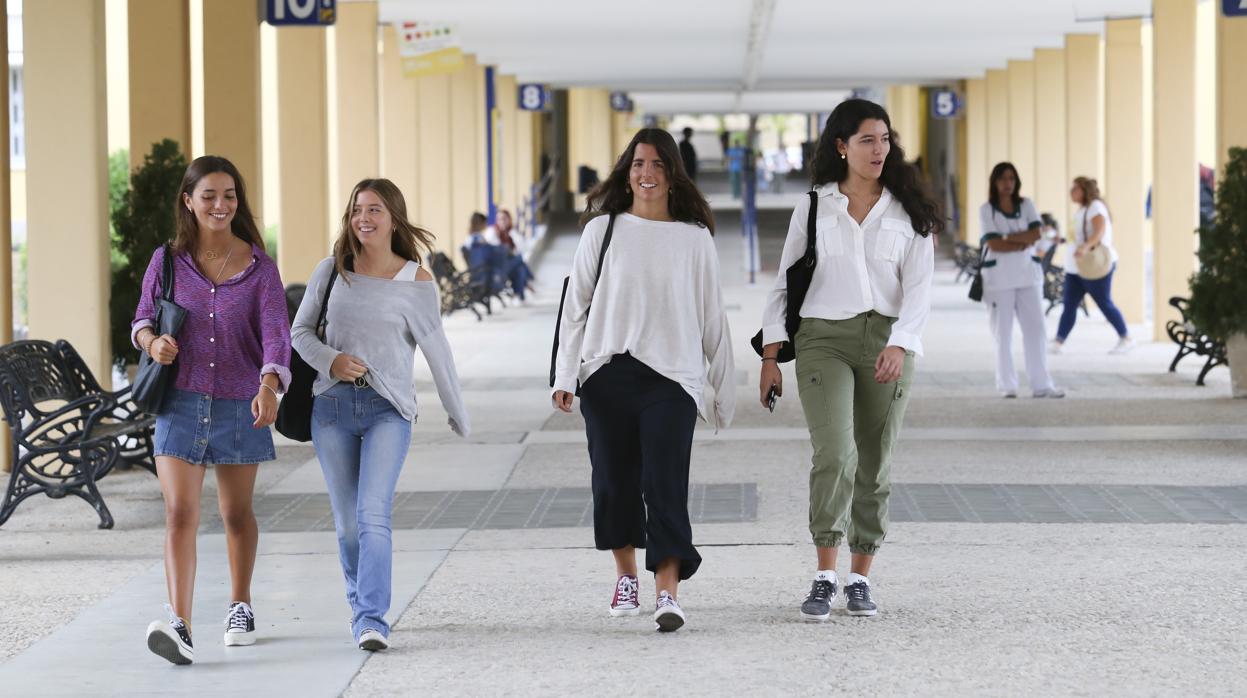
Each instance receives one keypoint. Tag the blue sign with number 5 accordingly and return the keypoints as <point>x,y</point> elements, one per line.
<point>945,104</point>
<point>1234,8</point>
<point>299,12</point>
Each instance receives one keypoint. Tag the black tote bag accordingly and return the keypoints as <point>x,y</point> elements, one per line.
<point>799,275</point>
<point>294,414</point>
<point>558,321</point>
<point>153,380</point>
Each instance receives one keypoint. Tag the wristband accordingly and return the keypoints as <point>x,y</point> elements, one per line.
<point>770,358</point>
<point>270,388</point>
<point>147,348</point>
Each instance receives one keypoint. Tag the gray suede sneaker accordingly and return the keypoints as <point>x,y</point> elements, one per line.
<point>817,605</point>
<point>859,602</point>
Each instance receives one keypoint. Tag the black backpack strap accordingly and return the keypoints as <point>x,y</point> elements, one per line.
<point>324,302</point>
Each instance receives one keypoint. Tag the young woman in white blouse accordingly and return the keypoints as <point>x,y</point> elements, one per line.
<point>1013,281</point>
<point>383,306</point>
<point>862,323</point>
<point>646,356</point>
<point>1092,226</point>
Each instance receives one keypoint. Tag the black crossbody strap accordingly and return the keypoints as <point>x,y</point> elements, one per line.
<point>606,242</point>
<point>811,226</point>
<point>166,280</point>
<point>324,303</point>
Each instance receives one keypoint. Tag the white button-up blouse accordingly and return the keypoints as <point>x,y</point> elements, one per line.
<point>881,265</point>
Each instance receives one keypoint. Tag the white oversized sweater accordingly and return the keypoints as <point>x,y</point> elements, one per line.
<point>658,298</point>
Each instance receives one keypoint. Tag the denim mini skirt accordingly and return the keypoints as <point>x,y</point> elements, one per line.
<point>204,430</point>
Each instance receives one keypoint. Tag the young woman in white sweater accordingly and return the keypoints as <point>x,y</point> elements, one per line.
<point>655,340</point>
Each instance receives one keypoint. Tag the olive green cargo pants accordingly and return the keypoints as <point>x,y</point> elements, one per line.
<point>854,422</point>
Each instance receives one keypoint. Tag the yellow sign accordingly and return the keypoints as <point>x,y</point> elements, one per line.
<point>428,48</point>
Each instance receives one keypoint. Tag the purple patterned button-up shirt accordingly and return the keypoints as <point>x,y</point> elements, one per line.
<point>234,332</point>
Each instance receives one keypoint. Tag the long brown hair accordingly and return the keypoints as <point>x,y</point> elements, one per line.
<point>242,226</point>
<point>407,238</point>
<point>685,203</point>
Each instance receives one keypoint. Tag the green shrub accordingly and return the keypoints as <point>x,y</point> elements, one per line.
<point>1219,288</point>
<point>142,222</point>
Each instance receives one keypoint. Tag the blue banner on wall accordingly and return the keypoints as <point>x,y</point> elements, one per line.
<point>283,13</point>
<point>1234,8</point>
<point>620,101</point>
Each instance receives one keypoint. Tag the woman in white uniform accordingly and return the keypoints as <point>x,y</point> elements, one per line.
<point>1013,282</point>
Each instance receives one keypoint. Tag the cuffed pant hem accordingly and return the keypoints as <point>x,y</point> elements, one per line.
<point>688,565</point>
<point>864,548</point>
<point>606,546</point>
<point>832,541</point>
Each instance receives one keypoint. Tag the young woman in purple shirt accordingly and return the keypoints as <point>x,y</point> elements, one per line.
<point>232,357</point>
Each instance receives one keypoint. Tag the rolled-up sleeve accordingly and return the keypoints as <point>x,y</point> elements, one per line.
<point>274,328</point>
<point>774,328</point>
<point>917,270</point>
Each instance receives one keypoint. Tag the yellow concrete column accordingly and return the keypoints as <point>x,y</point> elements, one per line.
<point>160,75</point>
<point>353,118</point>
<point>588,135</point>
<point>997,118</point>
<point>1050,188</point>
<point>433,169</point>
<point>977,167</point>
<point>1125,187</point>
<point>1231,97</point>
<point>1022,121</point>
<point>67,177</point>
<point>622,132</point>
<point>482,145</point>
<point>905,111</point>
<point>506,141</point>
<point>1175,200</point>
<point>467,133</point>
<point>307,229</point>
<point>231,88</point>
<point>960,165</point>
<point>1084,107</point>
<point>399,153</point>
<point>522,164</point>
<point>6,241</point>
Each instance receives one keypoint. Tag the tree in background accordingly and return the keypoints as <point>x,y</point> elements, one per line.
<point>142,220</point>
<point>1220,285</point>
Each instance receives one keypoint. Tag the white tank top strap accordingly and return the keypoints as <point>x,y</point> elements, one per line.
<point>408,272</point>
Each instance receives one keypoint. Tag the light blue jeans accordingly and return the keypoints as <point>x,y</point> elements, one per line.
<point>361,441</point>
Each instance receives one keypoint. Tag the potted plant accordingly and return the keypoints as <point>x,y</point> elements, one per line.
<point>1220,285</point>
<point>142,222</point>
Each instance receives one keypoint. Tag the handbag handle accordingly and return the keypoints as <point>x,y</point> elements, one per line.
<point>811,230</point>
<point>166,279</point>
<point>324,304</point>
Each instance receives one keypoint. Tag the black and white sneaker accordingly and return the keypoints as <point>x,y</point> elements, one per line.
<point>373,641</point>
<point>239,625</point>
<point>817,605</point>
<point>858,595</point>
<point>667,613</point>
<point>171,639</point>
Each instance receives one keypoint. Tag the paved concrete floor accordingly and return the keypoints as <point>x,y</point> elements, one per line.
<point>967,607</point>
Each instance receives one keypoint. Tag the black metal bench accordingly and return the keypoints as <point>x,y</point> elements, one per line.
<point>966,259</point>
<point>1192,340</point>
<point>458,289</point>
<point>68,432</point>
<point>1054,284</point>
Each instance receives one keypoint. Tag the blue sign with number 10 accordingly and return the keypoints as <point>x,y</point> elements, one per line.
<point>299,12</point>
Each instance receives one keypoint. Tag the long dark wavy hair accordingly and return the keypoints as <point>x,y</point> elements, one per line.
<point>407,239</point>
<point>993,194</point>
<point>187,228</point>
<point>685,203</point>
<point>901,179</point>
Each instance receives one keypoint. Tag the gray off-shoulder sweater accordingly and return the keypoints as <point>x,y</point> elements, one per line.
<point>381,322</point>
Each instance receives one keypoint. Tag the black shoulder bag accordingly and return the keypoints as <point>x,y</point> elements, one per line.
<point>153,380</point>
<point>800,274</point>
<point>558,321</point>
<point>294,415</point>
<point>976,286</point>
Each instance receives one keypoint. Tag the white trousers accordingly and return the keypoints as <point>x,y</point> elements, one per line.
<point>1026,304</point>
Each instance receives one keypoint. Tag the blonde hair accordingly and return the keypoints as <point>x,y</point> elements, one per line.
<point>1090,190</point>
<point>407,239</point>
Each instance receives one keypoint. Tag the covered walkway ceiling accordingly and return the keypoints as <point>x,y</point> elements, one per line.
<point>742,46</point>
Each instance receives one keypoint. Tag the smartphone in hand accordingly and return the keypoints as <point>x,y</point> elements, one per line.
<point>771,397</point>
